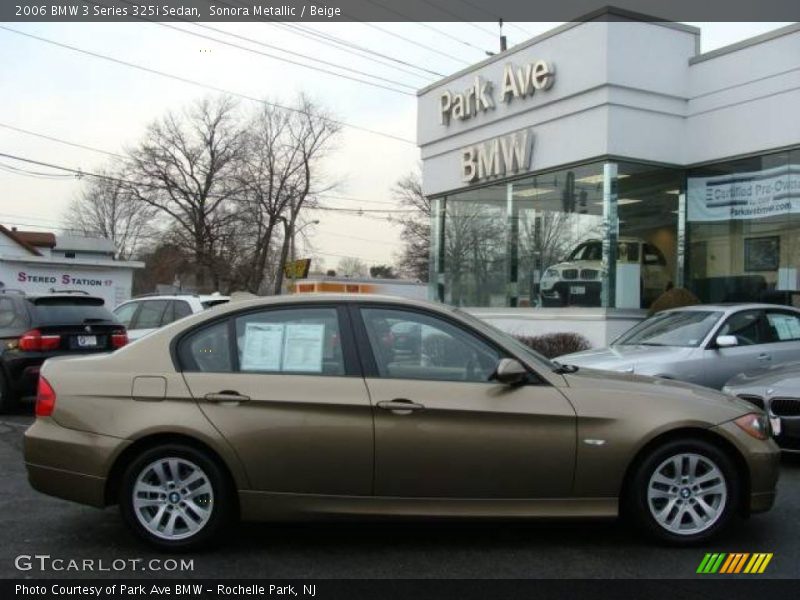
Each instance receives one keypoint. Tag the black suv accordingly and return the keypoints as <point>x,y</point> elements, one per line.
<point>34,328</point>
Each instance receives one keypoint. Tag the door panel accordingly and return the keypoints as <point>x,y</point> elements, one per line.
<point>443,429</point>
<point>297,433</point>
<point>473,440</point>
<point>280,385</point>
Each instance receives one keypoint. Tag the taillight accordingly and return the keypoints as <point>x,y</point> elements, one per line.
<point>119,339</point>
<point>34,341</point>
<point>45,398</point>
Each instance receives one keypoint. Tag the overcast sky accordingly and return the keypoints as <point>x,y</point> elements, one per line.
<point>79,98</point>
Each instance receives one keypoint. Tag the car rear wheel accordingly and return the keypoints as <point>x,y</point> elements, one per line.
<point>684,492</point>
<point>176,497</point>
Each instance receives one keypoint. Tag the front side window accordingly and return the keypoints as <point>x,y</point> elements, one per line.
<point>412,345</point>
<point>746,326</point>
<point>207,350</point>
<point>302,340</point>
<point>681,328</point>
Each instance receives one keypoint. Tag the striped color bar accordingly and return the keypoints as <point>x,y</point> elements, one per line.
<point>734,562</point>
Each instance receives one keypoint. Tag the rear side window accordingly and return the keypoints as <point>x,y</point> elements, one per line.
<point>207,350</point>
<point>181,309</point>
<point>10,316</point>
<point>302,340</point>
<point>150,314</point>
<point>58,310</point>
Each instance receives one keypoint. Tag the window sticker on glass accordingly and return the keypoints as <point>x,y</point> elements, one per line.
<point>787,327</point>
<point>263,343</point>
<point>302,349</point>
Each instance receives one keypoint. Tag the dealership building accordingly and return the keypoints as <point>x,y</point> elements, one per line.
<point>35,262</point>
<point>578,175</point>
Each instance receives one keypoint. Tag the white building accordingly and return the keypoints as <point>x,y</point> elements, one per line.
<point>38,263</point>
<point>577,175</point>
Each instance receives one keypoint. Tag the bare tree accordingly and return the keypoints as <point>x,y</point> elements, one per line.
<point>280,175</point>
<point>107,208</point>
<point>415,257</point>
<point>186,169</point>
<point>352,267</point>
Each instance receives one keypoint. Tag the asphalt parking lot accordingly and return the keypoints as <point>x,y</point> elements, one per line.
<point>33,524</point>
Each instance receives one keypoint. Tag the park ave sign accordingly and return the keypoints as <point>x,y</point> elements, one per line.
<point>504,155</point>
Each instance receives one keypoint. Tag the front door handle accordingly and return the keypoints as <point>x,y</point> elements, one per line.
<point>226,396</point>
<point>764,356</point>
<point>400,406</point>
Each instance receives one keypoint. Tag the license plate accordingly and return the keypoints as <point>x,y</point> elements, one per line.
<point>577,289</point>
<point>775,423</point>
<point>87,341</point>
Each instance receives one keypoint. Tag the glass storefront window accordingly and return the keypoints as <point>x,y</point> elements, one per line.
<point>743,224</point>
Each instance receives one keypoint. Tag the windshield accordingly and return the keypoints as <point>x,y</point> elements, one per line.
<point>593,251</point>
<point>686,328</point>
<point>509,340</point>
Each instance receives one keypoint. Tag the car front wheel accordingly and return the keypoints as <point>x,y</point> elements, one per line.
<point>176,497</point>
<point>685,491</point>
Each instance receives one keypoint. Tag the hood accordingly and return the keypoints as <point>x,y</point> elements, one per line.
<point>780,380</point>
<point>685,399</point>
<point>625,358</point>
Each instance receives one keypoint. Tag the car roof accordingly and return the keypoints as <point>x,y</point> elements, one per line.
<point>323,298</point>
<point>730,307</point>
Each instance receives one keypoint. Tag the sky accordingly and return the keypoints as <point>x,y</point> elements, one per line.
<point>82,99</point>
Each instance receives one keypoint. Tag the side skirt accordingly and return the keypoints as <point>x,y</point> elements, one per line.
<point>270,506</point>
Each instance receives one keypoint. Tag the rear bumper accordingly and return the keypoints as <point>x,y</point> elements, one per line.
<point>69,464</point>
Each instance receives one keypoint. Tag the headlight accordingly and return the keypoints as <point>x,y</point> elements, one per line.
<point>754,425</point>
<point>551,273</point>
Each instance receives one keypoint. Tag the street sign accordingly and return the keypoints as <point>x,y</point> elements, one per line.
<point>297,269</point>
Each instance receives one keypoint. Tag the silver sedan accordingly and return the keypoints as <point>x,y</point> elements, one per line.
<point>777,391</point>
<point>705,344</point>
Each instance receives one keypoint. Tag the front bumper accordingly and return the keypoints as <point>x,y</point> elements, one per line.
<point>762,460</point>
<point>69,464</point>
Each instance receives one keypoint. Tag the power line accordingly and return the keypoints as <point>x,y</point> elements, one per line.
<point>61,141</point>
<point>17,171</point>
<point>344,45</point>
<point>82,173</point>
<point>425,25</point>
<point>200,84</point>
<point>496,17</point>
<point>445,11</point>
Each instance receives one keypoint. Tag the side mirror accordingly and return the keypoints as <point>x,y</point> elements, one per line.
<point>510,371</point>
<point>726,341</point>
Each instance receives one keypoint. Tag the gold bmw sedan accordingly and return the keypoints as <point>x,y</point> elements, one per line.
<point>291,408</point>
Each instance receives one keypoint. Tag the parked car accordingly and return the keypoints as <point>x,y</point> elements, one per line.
<point>705,344</point>
<point>302,406</point>
<point>777,391</point>
<point>145,314</point>
<point>578,281</point>
<point>35,328</point>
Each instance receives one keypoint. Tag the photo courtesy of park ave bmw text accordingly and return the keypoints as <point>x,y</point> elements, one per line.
<point>433,299</point>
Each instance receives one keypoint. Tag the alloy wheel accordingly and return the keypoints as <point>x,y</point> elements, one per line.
<point>687,493</point>
<point>173,498</point>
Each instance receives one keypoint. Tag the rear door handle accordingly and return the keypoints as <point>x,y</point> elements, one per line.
<point>400,406</point>
<point>764,356</point>
<point>226,396</point>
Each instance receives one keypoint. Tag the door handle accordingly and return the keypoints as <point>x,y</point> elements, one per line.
<point>226,396</point>
<point>764,356</point>
<point>400,406</point>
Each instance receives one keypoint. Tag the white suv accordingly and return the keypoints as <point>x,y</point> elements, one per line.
<point>578,280</point>
<point>145,314</point>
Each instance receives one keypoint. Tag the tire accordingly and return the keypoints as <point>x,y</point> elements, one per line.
<point>8,400</point>
<point>156,506</point>
<point>694,481</point>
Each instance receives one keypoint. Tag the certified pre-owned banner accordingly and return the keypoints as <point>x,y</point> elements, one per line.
<point>741,196</point>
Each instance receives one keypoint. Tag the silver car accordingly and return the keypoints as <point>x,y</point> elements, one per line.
<point>706,344</point>
<point>777,391</point>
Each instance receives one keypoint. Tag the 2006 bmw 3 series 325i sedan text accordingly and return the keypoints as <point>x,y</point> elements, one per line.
<point>364,405</point>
